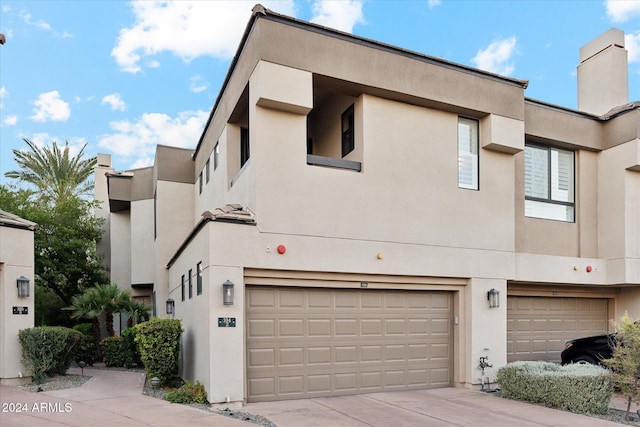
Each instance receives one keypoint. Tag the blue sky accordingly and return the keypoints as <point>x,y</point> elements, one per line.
<point>125,76</point>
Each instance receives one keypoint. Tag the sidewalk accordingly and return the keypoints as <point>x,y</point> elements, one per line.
<point>109,398</point>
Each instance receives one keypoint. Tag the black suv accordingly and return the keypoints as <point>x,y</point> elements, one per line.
<point>588,350</point>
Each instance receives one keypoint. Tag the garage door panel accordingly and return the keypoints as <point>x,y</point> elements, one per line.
<point>387,340</point>
<point>538,327</point>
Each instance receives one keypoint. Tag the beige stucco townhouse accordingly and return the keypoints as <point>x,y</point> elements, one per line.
<point>16,293</point>
<point>361,201</point>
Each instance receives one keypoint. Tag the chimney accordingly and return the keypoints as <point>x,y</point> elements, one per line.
<point>603,74</point>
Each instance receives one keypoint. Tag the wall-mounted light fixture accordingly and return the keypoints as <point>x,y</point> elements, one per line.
<point>23,287</point>
<point>493,296</point>
<point>171,306</point>
<point>227,292</point>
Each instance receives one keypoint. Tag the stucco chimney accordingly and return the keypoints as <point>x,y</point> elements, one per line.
<point>603,81</point>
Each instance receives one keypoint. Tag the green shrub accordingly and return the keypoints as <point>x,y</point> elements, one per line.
<point>188,393</point>
<point>625,361</point>
<point>85,328</point>
<point>159,344</point>
<point>130,353</point>
<point>87,351</point>
<point>112,351</point>
<point>48,350</point>
<point>583,389</point>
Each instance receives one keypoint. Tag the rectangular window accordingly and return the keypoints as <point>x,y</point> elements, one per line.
<point>190,284</point>
<point>155,214</point>
<point>549,183</point>
<point>207,169</point>
<point>468,153</point>
<point>182,287</point>
<point>200,183</point>
<point>348,134</point>
<point>216,155</point>
<point>199,278</point>
<point>244,146</point>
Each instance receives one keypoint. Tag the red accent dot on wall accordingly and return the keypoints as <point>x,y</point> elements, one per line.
<point>589,269</point>
<point>281,249</point>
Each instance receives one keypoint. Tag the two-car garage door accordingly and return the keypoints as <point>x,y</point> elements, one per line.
<point>310,342</point>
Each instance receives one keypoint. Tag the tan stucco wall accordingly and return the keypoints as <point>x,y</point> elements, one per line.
<point>16,260</point>
<point>403,214</point>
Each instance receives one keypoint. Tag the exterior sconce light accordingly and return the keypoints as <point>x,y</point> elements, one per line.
<point>23,287</point>
<point>171,304</point>
<point>493,296</point>
<point>227,292</point>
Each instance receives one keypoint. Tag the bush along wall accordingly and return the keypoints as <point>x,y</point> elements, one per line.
<point>583,389</point>
<point>48,350</point>
<point>159,345</point>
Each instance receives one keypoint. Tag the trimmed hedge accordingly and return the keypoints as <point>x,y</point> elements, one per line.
<point>87,351</point>
<point>48,350</point>
<point>159,345</point>
<point>583,389</point>
<point>129,348</point>
<point>112,351</point>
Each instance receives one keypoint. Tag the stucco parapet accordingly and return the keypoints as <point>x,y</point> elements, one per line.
<point>561,270</point>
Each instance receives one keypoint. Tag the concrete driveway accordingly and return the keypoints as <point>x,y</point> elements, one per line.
<point>439,407</point>
<point>115,398</point>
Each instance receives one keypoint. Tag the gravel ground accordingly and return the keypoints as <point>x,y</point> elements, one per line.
<point>244,416</point>
<point>58,382</point>
<point>67,381</point>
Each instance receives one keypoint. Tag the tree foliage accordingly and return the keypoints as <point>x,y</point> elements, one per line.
<point>625,361</point>
<point>103,300</point>
<point>54,173</point>
<point>66,261</point>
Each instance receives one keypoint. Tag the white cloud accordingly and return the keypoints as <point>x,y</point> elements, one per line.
<point>4,93</point>
<point>139,139</point>
<point>341,15</point>
<point>10,120</point>
<point>496,58</point>
<point>188,29</point>
<point>142,162</point>
<point>622,10</point>
<point>198,84</point>
<point>50,106</point>
<point>434,3</point>
<point>632,44</point>
<point>26,16</point>
<point>43,139</point>
<point>114,101</point>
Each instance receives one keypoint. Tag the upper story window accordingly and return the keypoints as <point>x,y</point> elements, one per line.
<point>207,170</point>
<point>199,278</point>
<point>216,155</point>
<point>190,284</point>
<point>200,183</point>
<point>549,183</point>
<point>468,153</point>
<point>182,287</point>
<point>244,145</point>
<point>348,137</point>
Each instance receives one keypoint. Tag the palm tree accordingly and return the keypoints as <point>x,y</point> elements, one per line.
<point>136,310</point>
<point>101,299</point>
<point>111,299</point>
<point>84,306</point>
<point>54,173</point>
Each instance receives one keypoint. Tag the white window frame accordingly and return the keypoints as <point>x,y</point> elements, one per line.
<point>549,183</point>
<point>468,154</point>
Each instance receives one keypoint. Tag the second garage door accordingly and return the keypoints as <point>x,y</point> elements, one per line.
<point>310,342</point>
<point>538,327</point>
